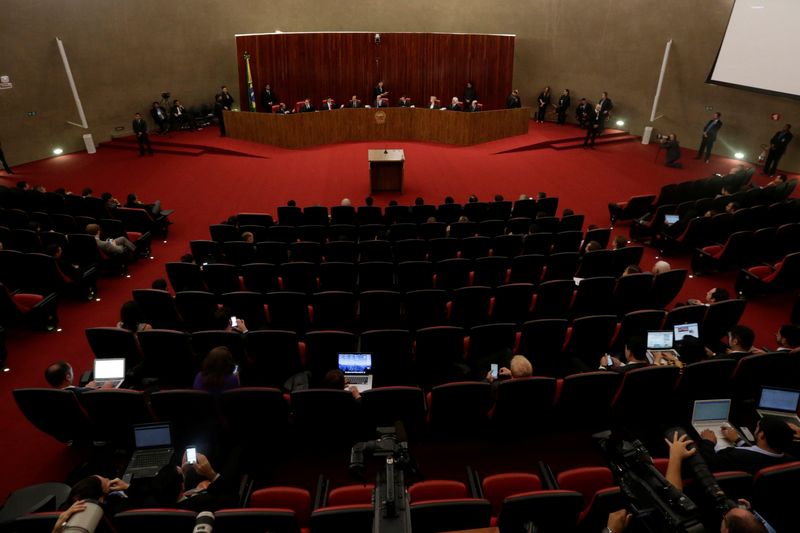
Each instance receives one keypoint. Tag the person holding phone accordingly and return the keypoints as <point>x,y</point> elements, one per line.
<point>635,357</point>
<point>218,372</point>
<point>210,490</point>
<point>519,367</point>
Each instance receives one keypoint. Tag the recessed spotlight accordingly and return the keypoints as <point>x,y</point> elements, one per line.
<point>127,275</point>
<point>58,151</point>
<point>738,155</point>
<point>58,330</point>
<point>620,123</point>
<point>165,242</point>
<point>6,369</point>
<point>97,299</point>
<point>691,276</point>
<point>151,257</point>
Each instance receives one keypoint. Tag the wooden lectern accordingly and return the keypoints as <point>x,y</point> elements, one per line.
<point>386,170</point>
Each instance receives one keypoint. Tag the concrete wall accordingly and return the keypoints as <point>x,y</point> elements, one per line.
<point>124,53</point>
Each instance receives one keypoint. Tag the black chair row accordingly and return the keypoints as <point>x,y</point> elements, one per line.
<point>446,212</point>
<point>746,248</point>
<point>397,231</point>
<point>40,274</point>
<point>415,307</point>
<point>708,187</point>
<point>467,409</point>
<point>433,354</point>
<point>782,276</point>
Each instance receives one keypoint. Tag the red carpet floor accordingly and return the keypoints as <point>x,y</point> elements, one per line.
<point>225,176</point>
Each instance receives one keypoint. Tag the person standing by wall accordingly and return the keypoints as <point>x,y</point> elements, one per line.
<point>777,146</point>
<point>562,107</point>
<point>709,136</point>
<point>3,161</point>
<point>544,102</point>
<point>140,130</point>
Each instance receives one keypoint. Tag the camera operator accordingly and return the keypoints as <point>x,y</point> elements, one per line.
<point>672,146</point>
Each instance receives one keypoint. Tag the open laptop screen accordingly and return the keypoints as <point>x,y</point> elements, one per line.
<point>355,363</point>
<point>659,340</point>
<point>779,399</point>
<point>682,330</point>
<point>152,436</point>
<point>711,410</point>
<point>671,219</point>
<point>109,369</point>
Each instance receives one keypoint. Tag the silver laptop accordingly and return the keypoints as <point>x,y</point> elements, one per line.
<point>712,414</point>
<point>109,370</point>
<point>782,403</point>
<point>153,450</point>
<point>671,219</point>
<point>682,330</point>
<point>357,368</point>
<point>659,341</point>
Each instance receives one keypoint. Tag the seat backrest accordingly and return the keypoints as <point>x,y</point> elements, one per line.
<point>450,515</point>
<point>335,519</point>
<point>56,412</point>
<point>154,520</point>
<point>351,495</point>
<point>551,511</point>
<point>498,487</point>
<point>586,480</point>
<point>291,498</point>
<point>437,489</point>
<point>255,520</point>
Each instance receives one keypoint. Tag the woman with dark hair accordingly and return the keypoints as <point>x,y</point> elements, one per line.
<point>131,318</point>
<point>469,93</point>
<point>218,373</point>
<point>544,103</point>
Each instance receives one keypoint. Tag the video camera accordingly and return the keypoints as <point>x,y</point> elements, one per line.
<point>392,513</point>
<point>655,503</point>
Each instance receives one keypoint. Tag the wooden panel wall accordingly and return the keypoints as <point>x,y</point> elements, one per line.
<point>318,65</point>
<point>302,130</point>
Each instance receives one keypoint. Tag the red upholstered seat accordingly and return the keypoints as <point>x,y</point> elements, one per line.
<point>586,480</point>
<point>291,498</point>
<point>25,302</point>
<point>763,272</point>
<point>500,486</point>
<point>714,250</point>
<point>437,489</point>
<point>351,495</point>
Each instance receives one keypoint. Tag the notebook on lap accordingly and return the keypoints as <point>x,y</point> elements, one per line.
<point>659,341</point>
<point>153,450</point>
<point>712,414</point>
<point>357,369</point>
<point>782,403</point>
<point>109,370</point>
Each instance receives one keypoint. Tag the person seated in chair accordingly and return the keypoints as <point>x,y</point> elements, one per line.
<point>433,103</point>
<point>404,102</point>
<point>132,201</point>
<point>218,373</point>
<point>353,103</point>
<point>60,375</point>
<point>71,270</point>
<point>454,104</point>
<point>181,116</point>
<point>120,246</point>
<point>712,296</point>
<point>381,102</point>
<point>307,107</point>
<point>788,338</point>
<point>740,343</point>
<point>474,107</point>
<point>109,200</point>
<point>329,105</point>
<point>131,318</point>
<point>772,435</point>
<point>519,367</point>
<point>335,380</point>
<point>211,491</point>
<point>635,357</point>
<point>160,117</point>
<point>282,109</point>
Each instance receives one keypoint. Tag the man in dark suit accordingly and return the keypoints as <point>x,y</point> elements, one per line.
<point>212,491</point>
<point>160,117</point>
<point>140,130</point>
<point>562,107</point>
<point>433,103</point>
<point>635,357</point>
<point>307,107</point>
<point>3,161</point>
<point>606,105</point>
<point>219,109</point>
<point>513,100</point>
<point>181,116</point>
<point>353,103</point>
<point>227,98</point>
<point>268,98</point>
<point>583,112</point>
<point>709,136</point>
<point>454,105</point>
<point>382,102</point>
<point>404,102</point>
<point>595,125</point>
<point>773,437</point>
<point>283,110</point>
<point>329,105</point>
<point>777,146</point>
<point>474,107</point>
<point>379,92</point>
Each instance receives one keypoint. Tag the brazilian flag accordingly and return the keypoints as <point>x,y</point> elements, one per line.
<point>251,92</point>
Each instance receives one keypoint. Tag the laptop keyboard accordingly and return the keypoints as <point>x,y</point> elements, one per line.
<point>144,459</point>
<point>357,380</point>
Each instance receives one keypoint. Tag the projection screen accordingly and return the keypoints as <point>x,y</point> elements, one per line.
<point>760,49</point>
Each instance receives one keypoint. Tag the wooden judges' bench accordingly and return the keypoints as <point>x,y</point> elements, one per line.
<point>300,130</point>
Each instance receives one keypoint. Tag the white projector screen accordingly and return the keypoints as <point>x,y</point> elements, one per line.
<point>760,49</point>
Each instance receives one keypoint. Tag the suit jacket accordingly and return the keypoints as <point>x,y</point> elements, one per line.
<point>268,99</point>
<point>407,103</point>
<point>177,108</point>
<point>584,109</point>
<point>377,91</point>
<point>227,99</point>
<point>563,103</point>
<point>159,114</point>
<point>596,121</point>
<point>628,367</point>
<point>738,458</point>
<point>331,108</point>
<point>472,110</point>
<point>383,102</point>
<point>139,126</point>
<point>780,140</point>
<point>543,100</point>
<point>219,107</point>
<point>711,129</point>
<point>353,105</point>
<point>513,101</point>
<point>307,109</point>
<point>606,105</point>
<point>433,106</point>
<point>453,107</point>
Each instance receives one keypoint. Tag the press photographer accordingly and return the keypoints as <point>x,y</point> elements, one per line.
<point>673,150</point>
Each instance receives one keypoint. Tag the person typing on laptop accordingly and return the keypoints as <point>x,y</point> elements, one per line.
<point>60,375</point>
<point>772,438</point>
<point>335,380</point>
